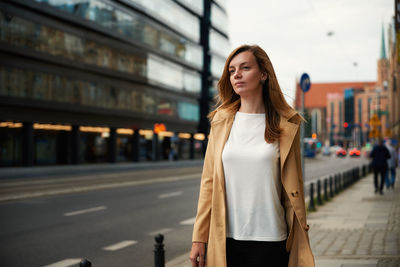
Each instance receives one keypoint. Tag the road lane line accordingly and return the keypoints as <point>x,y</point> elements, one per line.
<point>172,194</point>
<point>120,245</point>
<point>79,212</point>
<point>161,231</point>
<point>64,263</point>
<point>98,186</point>
<point>188,221</point>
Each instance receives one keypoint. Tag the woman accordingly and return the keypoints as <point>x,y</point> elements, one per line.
<point>251,209</point>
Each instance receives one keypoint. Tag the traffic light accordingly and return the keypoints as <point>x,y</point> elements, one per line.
<point>345,125</point>
<point>314,136</point>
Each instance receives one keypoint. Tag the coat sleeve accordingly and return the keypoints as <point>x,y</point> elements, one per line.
<point>202,222</point>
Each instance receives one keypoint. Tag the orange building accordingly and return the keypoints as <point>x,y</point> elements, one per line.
<point>341,112</point>
<point>394,78</point>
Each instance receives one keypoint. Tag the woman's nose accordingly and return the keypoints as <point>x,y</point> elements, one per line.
<point>237,74</point>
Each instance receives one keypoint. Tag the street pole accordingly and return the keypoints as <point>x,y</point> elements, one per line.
<point>302,136</point>
<point>305,84</point>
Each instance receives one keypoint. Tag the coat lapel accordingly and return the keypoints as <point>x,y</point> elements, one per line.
<point>286,140</point>
<point>222,133</point>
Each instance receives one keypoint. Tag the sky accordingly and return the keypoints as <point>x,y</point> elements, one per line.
<point>294,33</point>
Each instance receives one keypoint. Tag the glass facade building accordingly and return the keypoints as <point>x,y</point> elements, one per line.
<point>86,81</point>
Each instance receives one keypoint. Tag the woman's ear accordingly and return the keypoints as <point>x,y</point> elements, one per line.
<point>263,77</point>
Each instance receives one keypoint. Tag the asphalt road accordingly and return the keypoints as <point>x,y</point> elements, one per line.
<point>47,230</point>
<point>112,226</point>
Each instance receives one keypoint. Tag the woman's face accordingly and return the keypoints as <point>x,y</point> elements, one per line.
<point>245,75</point>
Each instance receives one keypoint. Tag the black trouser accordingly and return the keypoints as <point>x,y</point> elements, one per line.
<point>256,253</point>
<point>382,171</point>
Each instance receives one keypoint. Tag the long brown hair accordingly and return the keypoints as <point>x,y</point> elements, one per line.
<point>274,101</point>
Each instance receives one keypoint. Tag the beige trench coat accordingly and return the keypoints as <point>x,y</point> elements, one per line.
<point>210,224</point>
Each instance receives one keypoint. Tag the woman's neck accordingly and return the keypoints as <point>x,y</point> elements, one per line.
<point>253,104</point>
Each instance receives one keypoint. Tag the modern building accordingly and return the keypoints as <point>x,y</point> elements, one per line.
<point>85,81</point>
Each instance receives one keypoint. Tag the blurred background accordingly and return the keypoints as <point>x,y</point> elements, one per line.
<point>114,94</point>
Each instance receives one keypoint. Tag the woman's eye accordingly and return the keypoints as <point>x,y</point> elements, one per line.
<point>246,67</point>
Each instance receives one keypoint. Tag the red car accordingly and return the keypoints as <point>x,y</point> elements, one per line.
<point>341,152</point>
<point>354,152</point>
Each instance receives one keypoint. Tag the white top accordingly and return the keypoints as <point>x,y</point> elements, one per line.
<point>253,186</point>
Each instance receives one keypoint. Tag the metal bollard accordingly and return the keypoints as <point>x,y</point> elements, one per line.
<point>331,187</point>
<point>85,263</point>
<point>326,189</point>
<point>355,174</point>
<point>336,184</point>
<point>345,175</point>
<point>312,205</point>
<point>319,199</point>
<point>159,252</point>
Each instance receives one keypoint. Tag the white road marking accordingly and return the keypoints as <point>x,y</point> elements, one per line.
<point>172,194</point>
<point>161,231</point>
<point>85,188</point>
<point>64,263</point>
<point>78,212</point>
<point>188,221</point>
<point>120,245</point>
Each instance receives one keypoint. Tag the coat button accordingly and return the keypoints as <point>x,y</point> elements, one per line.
<point>307,227</point>
<point>295,193</point>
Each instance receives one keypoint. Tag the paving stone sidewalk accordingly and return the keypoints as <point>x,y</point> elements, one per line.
<point>357,228</point>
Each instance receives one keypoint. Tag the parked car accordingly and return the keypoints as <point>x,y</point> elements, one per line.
<point>310,147</point>
<point>326,151</point>
<point>341,152</point>
<point>354,152</point>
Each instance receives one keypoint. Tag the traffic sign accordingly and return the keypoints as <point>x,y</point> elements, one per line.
<point>375,121</point>
<point>305,82</point>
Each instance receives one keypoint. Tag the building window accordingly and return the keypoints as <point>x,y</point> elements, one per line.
<point>369,108</point>
<point>196,6</point>
<point>219,18</point>
<point>133,26</point>
<point>219,44</point>
<point>340,116</point>
<point>172,14</point>
<point>360,111</point>
<point>332,115</point>
<point>57,88</point>
<point>58,43</point>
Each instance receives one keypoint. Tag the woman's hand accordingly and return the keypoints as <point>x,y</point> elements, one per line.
<point>197,254</point>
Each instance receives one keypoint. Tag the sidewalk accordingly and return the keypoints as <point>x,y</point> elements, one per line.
<point>357,228</point>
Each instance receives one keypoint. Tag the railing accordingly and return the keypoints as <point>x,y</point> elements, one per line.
<point>334,184</point>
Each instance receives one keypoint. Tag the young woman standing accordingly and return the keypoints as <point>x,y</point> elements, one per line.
<point>251,210</point>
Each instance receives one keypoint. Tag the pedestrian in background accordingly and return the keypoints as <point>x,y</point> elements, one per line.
<point>380,155</point>
<point>390,177</point>
<point>251,210</point>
